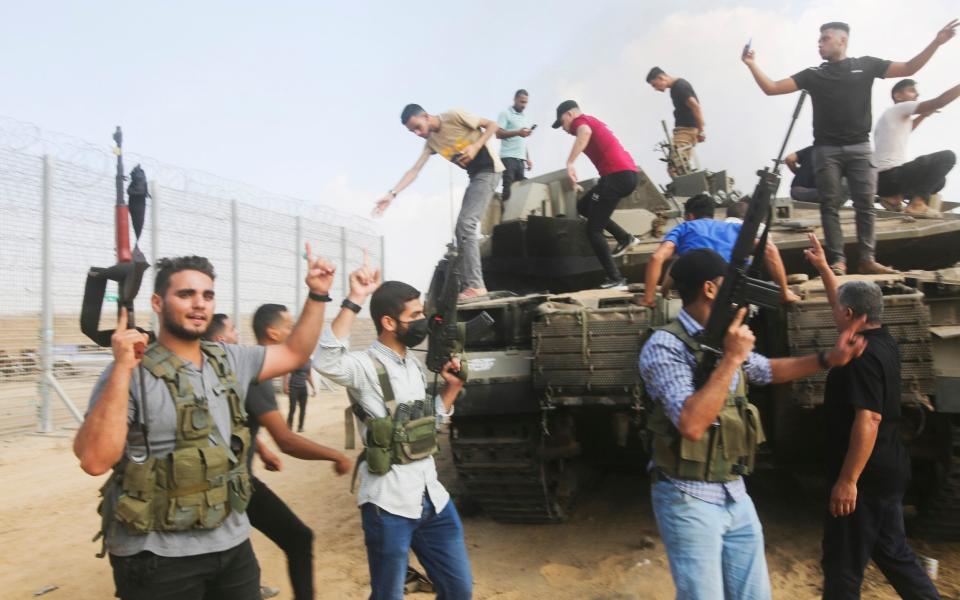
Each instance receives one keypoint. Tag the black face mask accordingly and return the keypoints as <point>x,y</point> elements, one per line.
<point>415,333</point>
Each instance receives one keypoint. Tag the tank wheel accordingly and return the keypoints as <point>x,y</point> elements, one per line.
<point>513,471</point>
<point>938,501</point>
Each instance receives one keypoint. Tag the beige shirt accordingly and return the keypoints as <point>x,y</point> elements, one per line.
<point>459,129</point>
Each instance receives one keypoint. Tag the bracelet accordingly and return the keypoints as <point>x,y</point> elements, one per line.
<point>392,193</point>
<point>319,297</point>
<point>822,359</point>
<point>350,305</point>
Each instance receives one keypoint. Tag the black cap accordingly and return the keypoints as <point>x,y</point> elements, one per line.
<point>564,107</point>
<point>695,267</point>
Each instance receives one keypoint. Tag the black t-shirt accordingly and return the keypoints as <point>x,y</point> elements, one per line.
<point>680,92</point>
<point>298,378</point>
<point>841,94</point>
<point>481,162</point>
<point>871,382</point>
<point>805,177</point>
<point>261,399</point>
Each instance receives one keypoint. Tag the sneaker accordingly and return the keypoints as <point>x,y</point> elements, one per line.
<point>470,293</point>
<point>893,203</point>
<point>300,430</point>
<point>268,592</point>
<point>614,284</point>
<point>839,269</point>
<point>622,247</point>
<point>872,267</point>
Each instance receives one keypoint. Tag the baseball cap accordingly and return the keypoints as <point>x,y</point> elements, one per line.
<point>697,266</point>
<point>564,107</point>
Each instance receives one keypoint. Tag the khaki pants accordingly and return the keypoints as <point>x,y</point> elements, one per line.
<point>684,139</point>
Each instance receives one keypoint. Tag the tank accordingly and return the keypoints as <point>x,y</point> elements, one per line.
<point>555,399</point>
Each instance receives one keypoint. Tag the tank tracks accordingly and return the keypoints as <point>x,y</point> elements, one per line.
<point>938,517</point>
<point>504,466</point>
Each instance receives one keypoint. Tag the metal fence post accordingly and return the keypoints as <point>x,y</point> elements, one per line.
<point>383,258</point>
<point>154,243</point>
<point>235,256</point>
<point>345,274</point>
<point>45,414</point>
<point>298,265</point>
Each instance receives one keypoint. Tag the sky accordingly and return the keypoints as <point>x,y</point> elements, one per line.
<point>303,98</point>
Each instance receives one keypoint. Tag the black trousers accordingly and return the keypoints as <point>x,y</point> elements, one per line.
<point>874,530</point>
<point>228,575</point>
<point>514,170</point>
<point>298,397</point>
<point>597,204</point>
<point>922,176</point>
<point>274,519</point>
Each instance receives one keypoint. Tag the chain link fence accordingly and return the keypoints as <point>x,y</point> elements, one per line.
<point>56,221</point>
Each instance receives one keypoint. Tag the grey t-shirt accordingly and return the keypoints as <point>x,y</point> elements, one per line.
<point>261,399</point>
<point>246,362</point>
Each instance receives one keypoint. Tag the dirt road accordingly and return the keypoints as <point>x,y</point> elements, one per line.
<point>47,517</point>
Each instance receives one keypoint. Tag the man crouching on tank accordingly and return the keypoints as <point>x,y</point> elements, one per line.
<point>704,439</point>
<point>173,509</point>
<point>403,505</point>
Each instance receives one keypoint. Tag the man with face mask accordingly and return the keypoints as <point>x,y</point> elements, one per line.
<point>173,514</point>
<point>403,505</point>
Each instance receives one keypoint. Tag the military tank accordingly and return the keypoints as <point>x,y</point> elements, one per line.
<point>555,398</point>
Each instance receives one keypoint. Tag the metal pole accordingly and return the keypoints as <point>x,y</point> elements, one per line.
<point>298,264</point>
<point>45,415</point>
<point>345,273</point>
<point>154,242</point>
<point>383,258</point>
<point>235,256</point>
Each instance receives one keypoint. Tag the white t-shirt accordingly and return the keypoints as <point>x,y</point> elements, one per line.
<point>891,133</point>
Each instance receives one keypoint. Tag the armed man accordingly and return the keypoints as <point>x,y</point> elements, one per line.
<point>403,505</point>
<point>688,123</point>
<point>841,92</point>
<point>173,511</point>
<point>704,438</point>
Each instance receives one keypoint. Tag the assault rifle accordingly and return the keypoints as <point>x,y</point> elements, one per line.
<point>128,273</point>
<point>447,335</point>
<point>740,288</point>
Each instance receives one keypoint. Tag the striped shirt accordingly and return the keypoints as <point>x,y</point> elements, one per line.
<point>667,366</point>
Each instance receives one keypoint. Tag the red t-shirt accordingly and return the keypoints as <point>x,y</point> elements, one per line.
<point>604,149</point>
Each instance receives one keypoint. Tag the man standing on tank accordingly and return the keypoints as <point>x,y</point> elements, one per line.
<point>841,92</point>
<point>688,126</point>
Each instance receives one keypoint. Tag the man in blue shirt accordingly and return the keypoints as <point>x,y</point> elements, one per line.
<point>705,437</point>
<point>514,127</point>
<point>700,230</point>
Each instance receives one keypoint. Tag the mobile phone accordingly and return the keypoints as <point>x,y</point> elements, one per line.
<point>533,127</point>
<point>747,47</point>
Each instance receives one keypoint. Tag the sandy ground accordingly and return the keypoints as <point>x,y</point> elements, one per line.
<point>609,550</point>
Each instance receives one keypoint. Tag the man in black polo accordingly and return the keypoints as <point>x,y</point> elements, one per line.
<point>688,126</point>
<point>841,90</point>
<point>868,467</point>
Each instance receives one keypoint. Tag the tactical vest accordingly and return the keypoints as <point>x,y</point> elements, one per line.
<point>725,451</point>
<point>400,437</point>
<point>204,478</point>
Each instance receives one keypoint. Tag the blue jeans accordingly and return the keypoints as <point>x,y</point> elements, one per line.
<point>436,539</point>
<point>715,551</point>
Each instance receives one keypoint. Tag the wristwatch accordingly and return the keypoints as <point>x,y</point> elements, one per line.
<point>822,359</point>
<point>392,193</point>
<point>319,297</point>
<point>350,305</point>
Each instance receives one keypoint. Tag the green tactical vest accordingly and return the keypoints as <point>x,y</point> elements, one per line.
<point>203,479</point>
<point>725,451</point>
<point>390,440</point>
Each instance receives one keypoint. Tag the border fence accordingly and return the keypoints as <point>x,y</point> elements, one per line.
<point>56,221</point>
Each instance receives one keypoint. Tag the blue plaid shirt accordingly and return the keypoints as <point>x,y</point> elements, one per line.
<point>667,365</point>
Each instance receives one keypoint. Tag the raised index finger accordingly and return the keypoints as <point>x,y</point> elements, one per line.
<point>122,319</point>
<point>309,253</point>
<point>738,320</point>
<point>366,259</point>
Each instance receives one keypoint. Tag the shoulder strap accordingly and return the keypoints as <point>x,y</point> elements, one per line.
<point>161,363</point>
<point>228,379</point>
<point>389,399</point>
<point>677,329</point>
